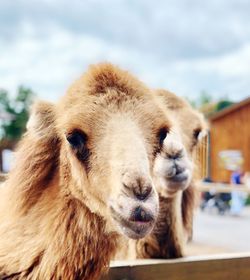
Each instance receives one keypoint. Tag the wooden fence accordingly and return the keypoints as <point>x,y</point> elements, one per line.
<point>213,267</point>
<point>222,188</point>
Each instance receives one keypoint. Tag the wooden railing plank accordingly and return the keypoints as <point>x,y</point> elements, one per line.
<point>229,267</point>
<point>220,187</point>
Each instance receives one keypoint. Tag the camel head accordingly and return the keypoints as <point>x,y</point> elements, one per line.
<point>111,132</point>
<point>174,166</point>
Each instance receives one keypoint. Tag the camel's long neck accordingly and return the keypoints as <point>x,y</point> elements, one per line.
<point>166,240</point>
<point>68,242</point>
<point>80,245</point>
<point>190,195</point>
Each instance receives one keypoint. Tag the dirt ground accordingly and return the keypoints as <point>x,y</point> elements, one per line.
<point>214,233</point>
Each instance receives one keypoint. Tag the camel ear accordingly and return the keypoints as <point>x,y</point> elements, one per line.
<point>204,128</point>
<point>42,120</point>
<point>202,134</point>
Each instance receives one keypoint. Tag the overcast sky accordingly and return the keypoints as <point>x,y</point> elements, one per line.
<point>186,46</point>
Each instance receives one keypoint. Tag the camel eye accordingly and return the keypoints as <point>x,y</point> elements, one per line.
<point>77,139</point>
<point>196,134</point>
<point>78,142</point>
<point>162,134</point>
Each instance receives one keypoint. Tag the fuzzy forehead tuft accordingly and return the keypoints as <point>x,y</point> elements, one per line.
<point>105,76</point>
<point>172,101</point>
<point>188,116</point>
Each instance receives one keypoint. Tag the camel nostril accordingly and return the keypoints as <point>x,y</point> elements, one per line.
<point>142,193</point>
<point>179,169</point>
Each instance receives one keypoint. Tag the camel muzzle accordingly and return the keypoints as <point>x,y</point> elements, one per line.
<point>138,225</point>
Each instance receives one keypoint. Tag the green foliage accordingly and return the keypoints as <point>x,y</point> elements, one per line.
<point>14,113</point>
<point>208,104</point>
<point>222,104</point>
<point>203,99</point>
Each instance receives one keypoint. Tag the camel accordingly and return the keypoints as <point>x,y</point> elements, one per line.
<point>175,181</point>
<point>82,179</point>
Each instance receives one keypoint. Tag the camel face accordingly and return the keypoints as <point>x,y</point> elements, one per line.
<point>110,141</point>
<point>173,167</point>
<point>114,162</point>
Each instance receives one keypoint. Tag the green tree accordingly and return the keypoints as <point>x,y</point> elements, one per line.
<point>222,104</point>
<point>205,98</point>
<point>14,113</point>
<point>209,105</point>
<point>202,100</point>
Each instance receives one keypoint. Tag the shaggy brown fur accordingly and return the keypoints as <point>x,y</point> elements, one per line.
<point>46,233</point>
<point>175,221</point>
<point>174,225</point>
<point>55,221</point>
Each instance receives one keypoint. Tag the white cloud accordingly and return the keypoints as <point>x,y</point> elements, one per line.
<point>186,46</point>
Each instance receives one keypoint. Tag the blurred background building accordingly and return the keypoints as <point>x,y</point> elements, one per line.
<point>230,141</point>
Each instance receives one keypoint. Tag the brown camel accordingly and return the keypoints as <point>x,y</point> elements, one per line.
<point>175,182</point>
<point>82,178</point>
